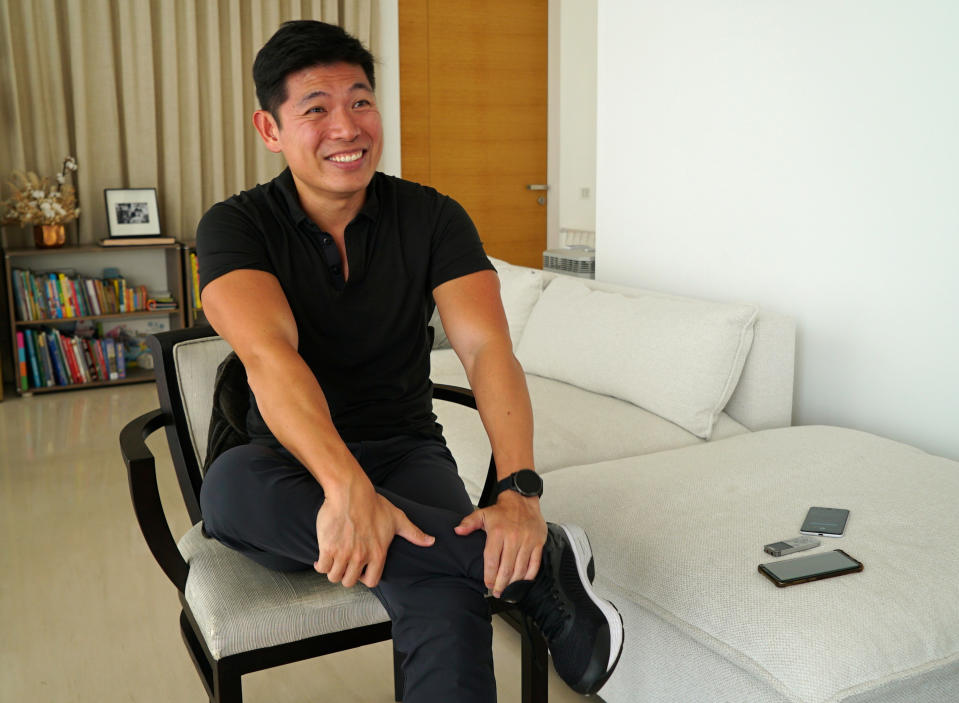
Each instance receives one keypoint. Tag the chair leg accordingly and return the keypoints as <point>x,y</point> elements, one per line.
<point>226,684</point>
<point>399,680</point>
<point>535,664</point>
<point>220,679</point>
<point>197,655</point>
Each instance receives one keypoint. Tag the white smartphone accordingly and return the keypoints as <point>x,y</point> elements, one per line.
<point>825,522</point>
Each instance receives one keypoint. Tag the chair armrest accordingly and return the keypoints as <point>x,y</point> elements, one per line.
<point>464,396</point>
<point>454,394</point>
<point>141,472</point>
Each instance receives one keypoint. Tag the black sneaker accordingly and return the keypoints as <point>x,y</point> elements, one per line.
<point>583,631</point>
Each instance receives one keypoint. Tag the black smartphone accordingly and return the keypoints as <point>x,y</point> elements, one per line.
<point>812,568</point>
<point>825,522</point>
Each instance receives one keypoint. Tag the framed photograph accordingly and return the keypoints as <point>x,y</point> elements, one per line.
<point>132,212</point>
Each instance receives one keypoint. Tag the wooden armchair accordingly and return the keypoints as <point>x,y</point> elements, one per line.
<point>238,617</point>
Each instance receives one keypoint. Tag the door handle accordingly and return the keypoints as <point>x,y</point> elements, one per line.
<point>537,186</point>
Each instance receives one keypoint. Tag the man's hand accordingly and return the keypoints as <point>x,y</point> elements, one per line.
<point>354,529</point>
<point>515,535</point>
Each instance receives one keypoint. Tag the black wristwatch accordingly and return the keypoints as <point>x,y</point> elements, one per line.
<point>526,482</point>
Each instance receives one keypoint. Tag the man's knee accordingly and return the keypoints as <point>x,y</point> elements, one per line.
<point>250,484</point>
<point>228,483</point>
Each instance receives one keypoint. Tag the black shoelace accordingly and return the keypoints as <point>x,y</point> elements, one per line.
<point>545,604</point>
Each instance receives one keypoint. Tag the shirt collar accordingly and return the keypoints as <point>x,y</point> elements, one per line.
<point>286,185</point>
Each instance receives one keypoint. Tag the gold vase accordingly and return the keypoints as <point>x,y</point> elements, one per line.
<point>49,236</point>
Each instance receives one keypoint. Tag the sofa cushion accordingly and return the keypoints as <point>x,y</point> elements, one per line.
<point>520,288</point>
<point>680,534</point>
<point>571,426</point>
<point>677,357</point>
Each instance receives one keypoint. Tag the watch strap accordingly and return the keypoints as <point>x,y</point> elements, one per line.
<point>510,484</point>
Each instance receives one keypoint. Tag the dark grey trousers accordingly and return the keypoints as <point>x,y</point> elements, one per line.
<point>263,503</point>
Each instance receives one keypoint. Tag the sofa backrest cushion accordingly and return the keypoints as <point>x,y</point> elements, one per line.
<point>679,358</point>
<point>520,288</point>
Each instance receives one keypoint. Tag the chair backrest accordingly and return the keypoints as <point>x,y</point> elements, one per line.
<point>186,362</point>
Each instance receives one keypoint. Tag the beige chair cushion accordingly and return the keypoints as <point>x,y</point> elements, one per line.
<point>196,362</point>
<point>240,606</point>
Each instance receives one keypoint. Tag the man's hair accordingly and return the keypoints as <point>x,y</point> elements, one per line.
<point>303,44</point>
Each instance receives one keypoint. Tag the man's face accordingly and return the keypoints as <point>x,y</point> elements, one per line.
<point>330,130</point>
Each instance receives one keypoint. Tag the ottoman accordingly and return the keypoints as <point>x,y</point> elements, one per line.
<point>678,535</point>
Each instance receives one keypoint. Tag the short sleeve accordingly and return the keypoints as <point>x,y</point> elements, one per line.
<point>456,249</point>
<point>228,240</point>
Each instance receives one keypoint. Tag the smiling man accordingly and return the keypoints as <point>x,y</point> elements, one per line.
<point>323,281</point>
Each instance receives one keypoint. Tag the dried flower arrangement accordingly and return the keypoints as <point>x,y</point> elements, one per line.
<point>37,201</point>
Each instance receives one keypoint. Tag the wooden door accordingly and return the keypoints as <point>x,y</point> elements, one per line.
<point>473,90</point>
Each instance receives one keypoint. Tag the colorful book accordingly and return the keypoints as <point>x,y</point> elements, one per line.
<point>121,360</point>
<point>57,295</point>
<point>111,354</point>
<point>49,310</point>
<point>65,295</point>
<point>40,299</point>
<point>46,363</point>
<point>19,295</point>
<point>57,361</point>
<point>195,275</point>
<point>32,359</point>
<point>76,287</point>
<point>59,300</point>
<point>101,297</point>
<point>110,294</point>
<point>81,361</point>
<point>22,380</point>
<point>68,354</point>
<point>89,359</point>
<point>54,299</point>
<point>65,378</point>
<point>73,372</point>
<point>35,342</point>
<point>102,367</point>
<point>82,370</point>
<point>91,292</point>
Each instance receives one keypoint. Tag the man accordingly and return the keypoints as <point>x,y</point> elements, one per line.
<point>323,281</point>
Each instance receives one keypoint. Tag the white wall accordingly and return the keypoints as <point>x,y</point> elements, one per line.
<point>386,43</point>
<point>803,155</point>
<point>575,119</point>
<point>571,142</point>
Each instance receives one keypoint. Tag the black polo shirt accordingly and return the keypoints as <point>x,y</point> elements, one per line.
<point>366,341</point>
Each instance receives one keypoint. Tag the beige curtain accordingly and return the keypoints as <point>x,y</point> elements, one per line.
<point>145,93</point>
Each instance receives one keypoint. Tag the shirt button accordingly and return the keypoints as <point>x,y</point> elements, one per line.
<point>335,268</point>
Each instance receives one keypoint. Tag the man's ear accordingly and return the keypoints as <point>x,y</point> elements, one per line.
<point>268,130</point>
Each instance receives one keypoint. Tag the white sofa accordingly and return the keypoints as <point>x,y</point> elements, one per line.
<point>663,427</point>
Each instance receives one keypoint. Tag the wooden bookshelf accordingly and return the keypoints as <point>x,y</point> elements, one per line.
<point>156,267</point>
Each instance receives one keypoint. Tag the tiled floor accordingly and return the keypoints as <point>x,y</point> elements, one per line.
<point>86,615</point>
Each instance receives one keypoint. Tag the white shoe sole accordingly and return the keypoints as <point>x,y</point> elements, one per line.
<point>583,554</point>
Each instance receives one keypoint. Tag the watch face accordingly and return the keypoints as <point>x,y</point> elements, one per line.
<point>528,482</point>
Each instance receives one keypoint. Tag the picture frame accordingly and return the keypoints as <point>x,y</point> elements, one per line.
<point>132,212</point>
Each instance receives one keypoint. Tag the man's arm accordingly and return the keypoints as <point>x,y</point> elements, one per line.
<point>473,317</point>
<point>355,524</point>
